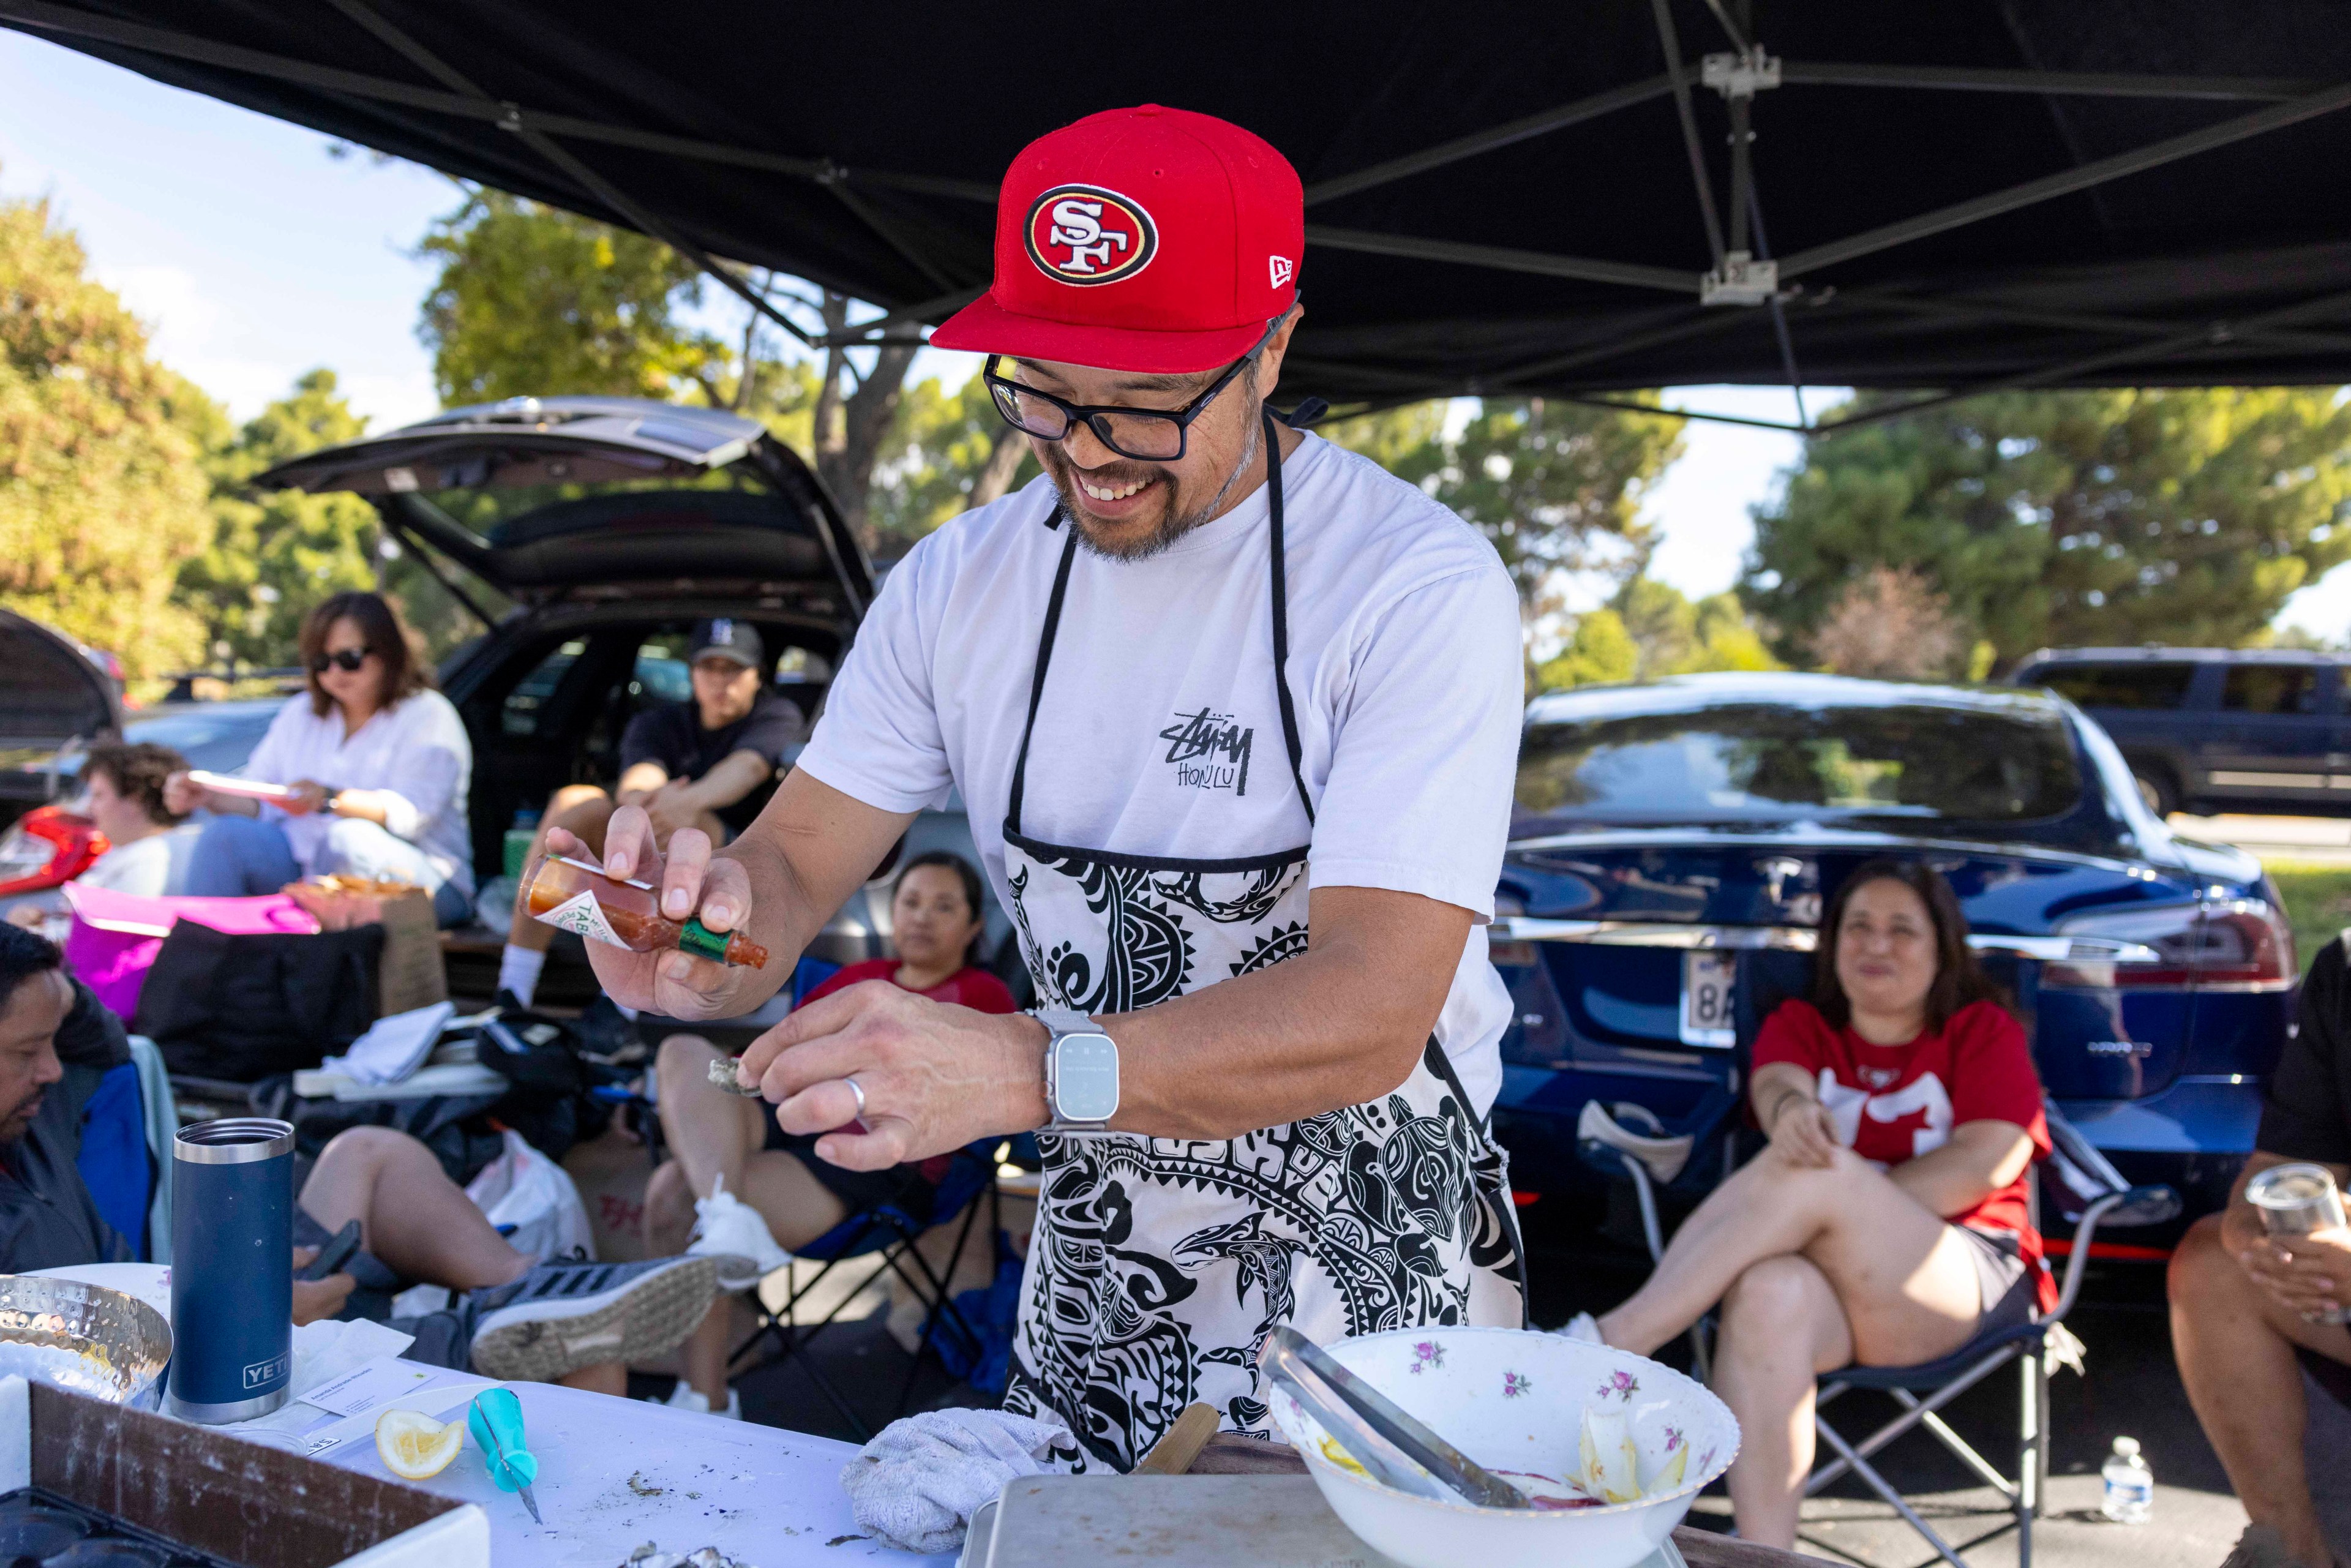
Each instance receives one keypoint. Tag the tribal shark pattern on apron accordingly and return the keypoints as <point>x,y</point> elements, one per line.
<point>1160,1265</point>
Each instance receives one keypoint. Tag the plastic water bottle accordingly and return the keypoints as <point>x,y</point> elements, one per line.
<point>2130,1485</point>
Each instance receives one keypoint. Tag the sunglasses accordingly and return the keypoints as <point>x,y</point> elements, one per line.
<point>1145,435</point>
<point>348,660</point>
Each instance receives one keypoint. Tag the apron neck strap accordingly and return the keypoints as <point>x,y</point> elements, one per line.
<point>1279,590</point>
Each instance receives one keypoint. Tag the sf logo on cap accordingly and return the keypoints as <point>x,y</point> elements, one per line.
<point>1085,234</point>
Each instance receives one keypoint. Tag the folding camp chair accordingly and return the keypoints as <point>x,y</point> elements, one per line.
<point>2095,1193</point>
<point>885,1235</point>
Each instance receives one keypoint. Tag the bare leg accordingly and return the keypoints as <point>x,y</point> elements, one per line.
<point>715,1136</point>
<point>581,809</point>
<point>605,1377</point>
<point>1905,1280</point>
<point>2234,1345</point>
<point>412,1216</point>
<point>1781,1327</point>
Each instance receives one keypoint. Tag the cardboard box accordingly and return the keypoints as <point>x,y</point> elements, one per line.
<point>224,1496</point>
<point>410,974</point>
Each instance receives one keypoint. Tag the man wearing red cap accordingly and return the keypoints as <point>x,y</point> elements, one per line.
<point>1235,716</point>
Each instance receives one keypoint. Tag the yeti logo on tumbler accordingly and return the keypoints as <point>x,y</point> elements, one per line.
<point>1085,234</point>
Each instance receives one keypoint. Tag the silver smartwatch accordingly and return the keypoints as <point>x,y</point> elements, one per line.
<point>1080,1072</point>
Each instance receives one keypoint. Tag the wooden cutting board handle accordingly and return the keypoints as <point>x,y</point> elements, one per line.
<point>1181,1444</point>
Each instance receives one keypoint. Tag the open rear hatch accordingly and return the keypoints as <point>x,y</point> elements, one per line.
<point>53,694</point>
<point>633,501</point>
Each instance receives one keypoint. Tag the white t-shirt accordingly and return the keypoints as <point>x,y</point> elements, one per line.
<point>417,749</point>
<point>1405,665</point>
<point>153,867</point>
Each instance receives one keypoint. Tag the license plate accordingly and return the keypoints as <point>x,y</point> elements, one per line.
<point>1706,1000</point>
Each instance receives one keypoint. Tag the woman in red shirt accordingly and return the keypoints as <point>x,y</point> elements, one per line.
<point>758,1192</point>
<point>1885,1224</point>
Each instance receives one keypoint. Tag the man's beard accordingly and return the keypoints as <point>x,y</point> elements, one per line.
<point>18,1119</point>
<point>1173,525</point>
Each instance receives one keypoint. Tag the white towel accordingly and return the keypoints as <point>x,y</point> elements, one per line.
<point>916,1485</point>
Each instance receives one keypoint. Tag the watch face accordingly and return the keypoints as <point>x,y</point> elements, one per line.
<point>1085,1078</point>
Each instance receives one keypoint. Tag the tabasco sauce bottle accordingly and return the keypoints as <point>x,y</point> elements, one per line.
<point>573,895</point>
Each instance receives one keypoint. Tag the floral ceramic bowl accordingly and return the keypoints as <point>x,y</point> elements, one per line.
<point>1515,1403</point>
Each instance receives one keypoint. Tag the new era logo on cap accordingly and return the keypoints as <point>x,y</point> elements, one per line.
<point>1084,235</point>
<point>1276,268</point>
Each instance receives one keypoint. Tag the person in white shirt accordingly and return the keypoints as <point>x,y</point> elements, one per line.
<point>150,845</point>
<point>1236,716</point>
<point>379,762</point>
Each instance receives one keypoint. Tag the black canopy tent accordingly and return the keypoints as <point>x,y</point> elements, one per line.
<point>1503,198</point>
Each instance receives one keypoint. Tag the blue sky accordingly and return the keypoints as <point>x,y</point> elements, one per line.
<point>253,255</point>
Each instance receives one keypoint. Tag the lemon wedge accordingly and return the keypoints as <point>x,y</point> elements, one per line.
<point>414,1446</point>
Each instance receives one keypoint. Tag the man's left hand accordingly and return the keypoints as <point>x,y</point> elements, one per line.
<point>671,807</point>
<point>2308,1275</point>
<point>936,1077</point>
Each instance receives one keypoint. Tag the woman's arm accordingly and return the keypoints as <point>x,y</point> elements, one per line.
<point>421,782</point>
<point>1792,1115</point>
<point>1980,1158</point>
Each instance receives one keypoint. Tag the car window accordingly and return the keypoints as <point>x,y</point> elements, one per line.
<point>527,703</point>
<point>2270,688</point>
<point>2119,685</point>
<point>218,739</point>
<point>660,678</point>
<point>1739,762</point>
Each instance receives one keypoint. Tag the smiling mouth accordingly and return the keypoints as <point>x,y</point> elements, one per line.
<point>1113,492</point>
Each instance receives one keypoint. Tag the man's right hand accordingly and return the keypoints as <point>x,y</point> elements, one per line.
<point>2310,1276</point>
<point>673,983</point>
<point>182,794</point>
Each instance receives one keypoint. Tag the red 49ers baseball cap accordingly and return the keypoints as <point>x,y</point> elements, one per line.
<point>1146,239</point>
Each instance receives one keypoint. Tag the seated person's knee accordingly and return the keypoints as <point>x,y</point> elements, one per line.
<point>684,1053</point>
<point>1773,1291</point>
<point>371,1146</point>
<point>2202,1265</point>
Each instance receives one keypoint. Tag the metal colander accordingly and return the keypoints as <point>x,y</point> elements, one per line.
<point>85,1339</point>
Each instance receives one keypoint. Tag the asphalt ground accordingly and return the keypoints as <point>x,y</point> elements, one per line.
<point>2129,1387</point>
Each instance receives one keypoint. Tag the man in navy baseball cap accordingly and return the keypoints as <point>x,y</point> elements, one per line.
<point>1234,715</point>
<point>709,763</point>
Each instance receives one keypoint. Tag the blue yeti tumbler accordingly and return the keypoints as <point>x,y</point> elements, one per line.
<point>232,1269</point>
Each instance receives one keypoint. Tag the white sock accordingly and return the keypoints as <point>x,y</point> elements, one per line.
<point>518,970</point>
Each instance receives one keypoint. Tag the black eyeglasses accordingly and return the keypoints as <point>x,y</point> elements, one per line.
<point>348,660</point>
<point>1147,434</point>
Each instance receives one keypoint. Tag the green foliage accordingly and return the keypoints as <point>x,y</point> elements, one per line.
<point>533,301</point>
<point>276,554</point>
<point>1557,486</point>
<point>1599,651</point>
<point>1650,630</point>
<point>933,462</point>
<point>2049,519</point>
<point>101,483</point>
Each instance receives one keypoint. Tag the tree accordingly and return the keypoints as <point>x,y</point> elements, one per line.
<point>1650,629</point>
<point>532,301</point>
<point>274,555</point>
<point>945,454</point>
<point>102,488</point>
<point>2099,516</point>
<point>1889,624</point>
<point>1557,486</point>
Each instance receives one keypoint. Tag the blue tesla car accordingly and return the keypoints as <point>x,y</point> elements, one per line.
<point>1673,845</point>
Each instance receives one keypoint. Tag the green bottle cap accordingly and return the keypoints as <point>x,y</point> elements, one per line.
<point>703,942</point>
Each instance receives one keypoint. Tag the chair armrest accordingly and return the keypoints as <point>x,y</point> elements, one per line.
<point>2145,1205</point>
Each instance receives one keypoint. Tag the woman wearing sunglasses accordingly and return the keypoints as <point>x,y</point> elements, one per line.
<point>378,763</point>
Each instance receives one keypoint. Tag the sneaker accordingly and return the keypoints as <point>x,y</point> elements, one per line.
<point>2261,1546</point>
<point>731,1233</point>
<point>562,1317</point>
<point>1583,1326</point>
<point>684,1397</point>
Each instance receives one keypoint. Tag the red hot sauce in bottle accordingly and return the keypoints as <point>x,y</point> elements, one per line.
<point>573,895</point>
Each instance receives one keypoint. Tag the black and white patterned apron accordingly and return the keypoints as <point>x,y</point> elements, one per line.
<point>1159,1265</point>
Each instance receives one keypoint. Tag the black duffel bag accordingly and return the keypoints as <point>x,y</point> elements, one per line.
<point>242,1008</point>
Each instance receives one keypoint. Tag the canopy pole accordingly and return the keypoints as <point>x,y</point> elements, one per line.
<point>1688,114</point>
<point>1500,136</point>
<point>545,147</point>
<point>2066,182</point>
<point>2217,332</point>
<point>1502,259</point>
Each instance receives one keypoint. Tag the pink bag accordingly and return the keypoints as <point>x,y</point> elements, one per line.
<point>115,937</point>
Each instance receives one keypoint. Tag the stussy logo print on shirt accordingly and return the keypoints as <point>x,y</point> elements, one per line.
<point>1209,750</point>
